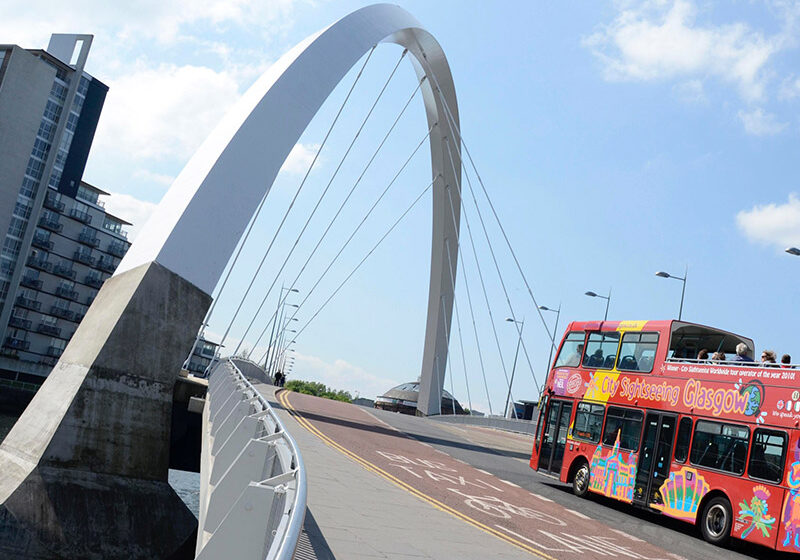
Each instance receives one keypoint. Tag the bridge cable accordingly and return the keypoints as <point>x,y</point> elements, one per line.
<point>363,220</point>
<point>321,197</point>
<point>341,207</point>
<point>497,269</point>
<point>385,235</point>
<point>477,263</point>
<point>460,338</point>
<point>299,189</point>
<point>471,310</point>
<point>455,128</point>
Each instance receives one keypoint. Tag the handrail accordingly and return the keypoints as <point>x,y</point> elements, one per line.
<point>712,362</point>
<point>288,543</point>
<point>253,479</point>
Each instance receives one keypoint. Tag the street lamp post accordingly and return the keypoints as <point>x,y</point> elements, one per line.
<point>662,274</point>
<point>607,298</point>
<point>514,367</point>
<point>555,332</point>
<point>793,251</point>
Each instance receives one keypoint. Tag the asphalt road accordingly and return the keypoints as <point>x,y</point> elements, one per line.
<point>499,456</point>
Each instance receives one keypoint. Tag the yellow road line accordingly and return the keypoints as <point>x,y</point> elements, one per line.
<point>283,398</point>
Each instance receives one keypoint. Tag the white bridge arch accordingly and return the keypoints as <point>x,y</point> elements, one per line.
<point>197,225</point>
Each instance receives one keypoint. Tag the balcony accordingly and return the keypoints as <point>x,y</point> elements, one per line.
<point>65,271</point>
<point>93,281</point>
<point>62,313</point>
<point>81,216</point>
<point>106,265</point>
<point>89,239</point>
<point>19,323</point>
<point>54,352</point>
<point>48,361</point>
<point>83,258</point>
<point>69,293</point>
<point>117,249</point>
<point>31,282</point>
<point>53,224</point>
<point>52,203</point>
<point>27,303</point>
<point>17,343</point>
<point>42,242</point>
<point>48,329</point>
<point>41,264</point>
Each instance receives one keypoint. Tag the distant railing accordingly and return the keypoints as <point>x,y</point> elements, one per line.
<point>253,481</point>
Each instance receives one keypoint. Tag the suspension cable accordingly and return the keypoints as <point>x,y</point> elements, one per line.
<point>341,207</point>
<point>458,324</point>
<point>294,199</point>
<point>472,315</point>
<point>478,266</point>
<point>322,196</point>
<point>361,223</point>
<point>385,235</point>
<point>457,130</point>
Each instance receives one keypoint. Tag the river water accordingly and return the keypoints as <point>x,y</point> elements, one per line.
<point>186,484</point>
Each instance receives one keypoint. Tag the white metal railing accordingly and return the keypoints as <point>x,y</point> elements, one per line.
<point>252,477</point>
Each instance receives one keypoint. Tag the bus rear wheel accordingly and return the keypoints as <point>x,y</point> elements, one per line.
<point>580,482</point>
<point>715,523</point>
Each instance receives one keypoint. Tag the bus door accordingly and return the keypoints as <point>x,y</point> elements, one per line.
<point>655,457</point>
<point>554,438</point>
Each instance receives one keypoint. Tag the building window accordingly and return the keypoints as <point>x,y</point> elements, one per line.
<point>52,111</point>
<point>58,91</point>
<point>87,194</point>
<point>112,225</point>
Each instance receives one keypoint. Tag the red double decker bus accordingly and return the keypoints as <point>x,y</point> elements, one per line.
<point>630,413</point>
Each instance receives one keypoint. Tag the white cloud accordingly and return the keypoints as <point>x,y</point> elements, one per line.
<point>130,209</point>
<point>164,112</point>
<point>773,224</point>
<point>759,123</point>
<point>658,41</point>
<point>691,91</point>
<point>300,158</point>
<point>341,375</point>
<point>158,178</point>
<point>790,88</point>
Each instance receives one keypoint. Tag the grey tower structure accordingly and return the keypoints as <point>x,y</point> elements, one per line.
<point>57,242</point>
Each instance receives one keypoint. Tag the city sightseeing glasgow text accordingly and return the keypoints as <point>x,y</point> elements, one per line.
<point>695,395</point>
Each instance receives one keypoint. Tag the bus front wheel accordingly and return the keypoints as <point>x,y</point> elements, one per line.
<point>716,521</point>
<point>580,482</point>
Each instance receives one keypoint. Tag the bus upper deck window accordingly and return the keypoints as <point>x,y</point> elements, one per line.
<point>571,350</point>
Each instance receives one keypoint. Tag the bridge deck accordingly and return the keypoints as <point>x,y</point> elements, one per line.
<point>375,492</point>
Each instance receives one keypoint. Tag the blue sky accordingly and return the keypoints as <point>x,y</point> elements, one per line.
<point>615,139</point>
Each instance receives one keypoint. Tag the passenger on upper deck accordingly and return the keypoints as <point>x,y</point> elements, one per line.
<point>768,358</point>
<point>719,357</point>
<point>575,359</point>
<point>741,353</point>
<point>702,355</point>
<point>786,359</point>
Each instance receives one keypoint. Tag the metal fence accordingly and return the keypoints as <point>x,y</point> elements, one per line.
<point>509,424</point>
<point>252,478</point>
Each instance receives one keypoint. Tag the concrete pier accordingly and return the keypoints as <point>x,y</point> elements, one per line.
<point>85,467</point>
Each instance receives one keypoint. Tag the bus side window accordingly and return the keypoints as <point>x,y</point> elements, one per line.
<point>682,443</point>
<point>588,422</point>
<point>625,423</point>
<point>767,455</point>
<point>720,446</point>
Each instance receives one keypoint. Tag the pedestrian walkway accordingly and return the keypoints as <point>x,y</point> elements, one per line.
<point>362,515</point>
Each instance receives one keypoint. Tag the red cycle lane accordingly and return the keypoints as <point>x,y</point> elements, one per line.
<point>513,514</point>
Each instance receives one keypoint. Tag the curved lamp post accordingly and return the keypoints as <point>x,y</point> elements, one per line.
<point>662,274</point>
<point>607,298</point>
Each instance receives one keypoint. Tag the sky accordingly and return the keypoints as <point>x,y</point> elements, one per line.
<point>615,140</point>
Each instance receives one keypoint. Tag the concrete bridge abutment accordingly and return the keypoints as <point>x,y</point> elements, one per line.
<point>84,470</point>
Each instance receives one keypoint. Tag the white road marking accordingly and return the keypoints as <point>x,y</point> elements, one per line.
<point>626,535</point>
<point>579,514</point>
<point>511,483</point>
<point>542,498</point>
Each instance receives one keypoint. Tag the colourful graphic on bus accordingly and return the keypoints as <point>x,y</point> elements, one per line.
<point>791,509</point>
<point>682,493</point>
<point>756,512</point>
<point>613,475</point>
